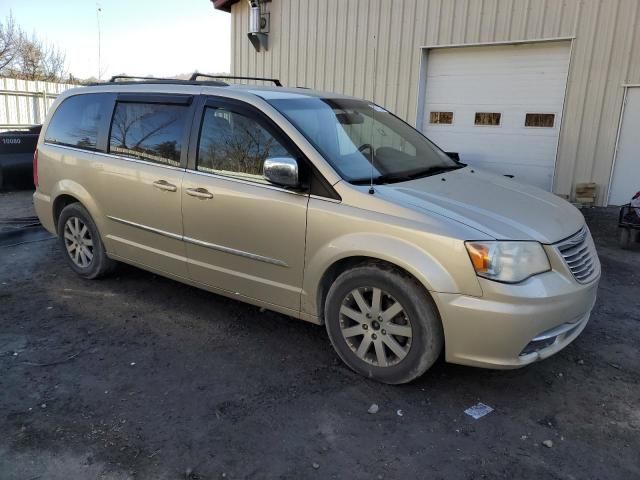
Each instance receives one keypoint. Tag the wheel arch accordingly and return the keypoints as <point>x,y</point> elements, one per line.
<point>323,268</point>
<point>59,203</point>
<point>67,192</point>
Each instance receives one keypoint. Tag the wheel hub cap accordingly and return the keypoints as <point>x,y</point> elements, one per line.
<point>375,326</point>
<point>78,242</point>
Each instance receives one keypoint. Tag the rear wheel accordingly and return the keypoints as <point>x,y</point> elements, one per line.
<point>383,324</point>
<point>80,240</point>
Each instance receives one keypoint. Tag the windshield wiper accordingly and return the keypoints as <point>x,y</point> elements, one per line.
<point>406,176</point>
<point>427,172</point>
<point>380,179</point>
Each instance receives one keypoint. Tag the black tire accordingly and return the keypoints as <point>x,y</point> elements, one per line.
<point>625,238</point>
<point>100,264</point>
<point>427,338</point>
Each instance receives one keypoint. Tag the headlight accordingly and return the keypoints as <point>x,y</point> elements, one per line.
<point>509,262</point>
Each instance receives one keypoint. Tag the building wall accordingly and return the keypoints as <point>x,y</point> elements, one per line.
<point>330,45</point>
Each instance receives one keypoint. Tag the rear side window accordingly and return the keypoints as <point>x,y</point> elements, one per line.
<point>235,145</point>
<point>148,131</point>
<point>77,120</point>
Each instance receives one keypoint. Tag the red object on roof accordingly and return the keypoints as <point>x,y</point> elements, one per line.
<point>224,5</point>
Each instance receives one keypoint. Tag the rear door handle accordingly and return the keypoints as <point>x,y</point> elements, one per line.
<point>164,185</point>
<point>202,193</point>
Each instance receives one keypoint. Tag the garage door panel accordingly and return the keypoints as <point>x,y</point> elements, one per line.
<point>484,149</point>
<point>545,91</point>
<point>512,121</point>
<point>539,58</point>
<point>512,80</point>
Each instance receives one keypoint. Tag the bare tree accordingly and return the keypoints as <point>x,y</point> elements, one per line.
<point>10,40</point>
<point>54,66</point>
<point>28,58</point>
<point>39,61</point>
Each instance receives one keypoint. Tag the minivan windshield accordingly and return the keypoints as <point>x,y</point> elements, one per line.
<point>363,141</point>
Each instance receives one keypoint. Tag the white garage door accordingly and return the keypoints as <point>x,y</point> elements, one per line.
<point>499,107</point>
<point>626,175</point>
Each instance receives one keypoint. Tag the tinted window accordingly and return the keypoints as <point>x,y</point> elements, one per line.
<point>148,131</point>
<point>235,145</point>
<point>76,121</point>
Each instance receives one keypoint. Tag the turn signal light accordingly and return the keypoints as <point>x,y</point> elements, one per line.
<point>480,256</point>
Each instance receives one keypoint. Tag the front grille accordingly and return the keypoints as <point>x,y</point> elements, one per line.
<point>578,253</point>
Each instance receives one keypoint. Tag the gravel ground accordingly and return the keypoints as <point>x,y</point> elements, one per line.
<point>137,376</point>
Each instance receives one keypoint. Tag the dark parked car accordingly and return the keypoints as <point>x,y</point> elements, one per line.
<point>16,157</point>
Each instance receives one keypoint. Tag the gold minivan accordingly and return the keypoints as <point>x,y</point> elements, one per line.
<point>322,207</point>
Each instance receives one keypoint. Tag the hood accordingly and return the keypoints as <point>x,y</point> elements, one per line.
<point>495,205</point>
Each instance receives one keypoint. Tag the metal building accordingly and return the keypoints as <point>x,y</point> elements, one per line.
<point>545,90</point>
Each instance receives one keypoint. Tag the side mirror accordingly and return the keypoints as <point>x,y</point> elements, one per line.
<point>281,171</point>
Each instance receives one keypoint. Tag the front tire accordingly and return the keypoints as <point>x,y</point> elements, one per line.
<point>383,324</point>
<point>81,243</point>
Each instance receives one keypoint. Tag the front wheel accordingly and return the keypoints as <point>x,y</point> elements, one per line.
<point>383,324</point>
<point>81,242</point>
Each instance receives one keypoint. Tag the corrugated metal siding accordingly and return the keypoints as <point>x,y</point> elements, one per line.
<point>25,102</point>
<point>329,45</point>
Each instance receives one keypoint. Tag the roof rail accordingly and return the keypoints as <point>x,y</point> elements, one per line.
<point>195,76</point>
<point>132,79</point>
<point>115,78</point>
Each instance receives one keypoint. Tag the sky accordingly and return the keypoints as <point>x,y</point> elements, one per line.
<point>138,37</point>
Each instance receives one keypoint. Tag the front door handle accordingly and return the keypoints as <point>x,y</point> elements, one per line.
<point>164,185</point>
<point>202,193</point>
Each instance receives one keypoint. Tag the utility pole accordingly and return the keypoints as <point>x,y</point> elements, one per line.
<point>98,11</point>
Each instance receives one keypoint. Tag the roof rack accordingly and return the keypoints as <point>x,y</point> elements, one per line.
<point>216,80</point>
<point>132,79</point>
<point>115,78</point>
<point>195,76</point>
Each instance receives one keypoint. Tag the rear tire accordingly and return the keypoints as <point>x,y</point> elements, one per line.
<point>81,243</point>
<point>383,324</point>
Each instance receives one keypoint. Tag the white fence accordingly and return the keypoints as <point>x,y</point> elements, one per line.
<point>24,102</point>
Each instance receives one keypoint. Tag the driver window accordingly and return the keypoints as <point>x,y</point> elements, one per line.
<point>235,145</point>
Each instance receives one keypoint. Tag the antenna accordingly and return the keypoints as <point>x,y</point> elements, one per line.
<point>373,116</point>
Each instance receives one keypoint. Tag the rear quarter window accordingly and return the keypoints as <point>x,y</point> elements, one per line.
<point>77,120</point>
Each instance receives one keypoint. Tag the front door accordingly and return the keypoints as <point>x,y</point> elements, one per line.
<point>141,180</point>
<point>242,234</point>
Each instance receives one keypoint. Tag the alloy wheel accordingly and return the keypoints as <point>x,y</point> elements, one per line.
<point>78,241</point>
<point>375,326</point>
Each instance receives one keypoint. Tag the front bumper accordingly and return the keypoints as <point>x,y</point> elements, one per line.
<point>514,325</point>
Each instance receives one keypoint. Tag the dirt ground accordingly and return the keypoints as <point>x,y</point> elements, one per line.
<point>137,376</point>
